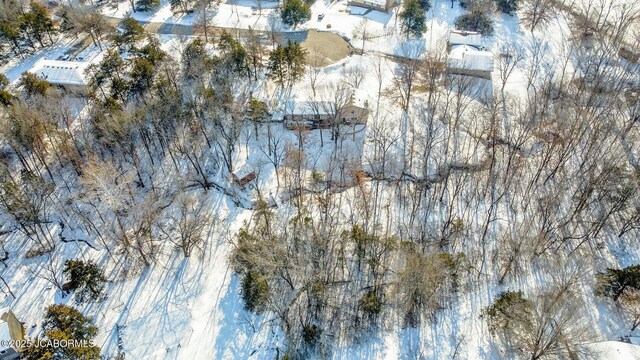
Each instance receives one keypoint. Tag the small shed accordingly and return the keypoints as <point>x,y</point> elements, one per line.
<point>245,179</point>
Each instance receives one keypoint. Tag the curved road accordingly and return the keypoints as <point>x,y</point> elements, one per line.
<point>183,29</point>
<point>328,46</point>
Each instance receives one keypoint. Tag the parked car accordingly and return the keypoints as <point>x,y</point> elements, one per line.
<point>320,17</point>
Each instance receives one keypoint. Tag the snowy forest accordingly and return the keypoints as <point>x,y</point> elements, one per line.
<point>164,209</point>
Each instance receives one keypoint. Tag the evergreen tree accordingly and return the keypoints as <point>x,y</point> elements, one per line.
<point>195,60</point>
<point>62,322</point>
<point>413,18</point>
<point>255,291</point>
<point>183,6</point>
<point>295,12</point>
<point>4,81</point>
<point>287,63</point>
<point>146,5</point>
<point>108,74</point>
<point>33,84</point>
<point>507,6</point>
<point>151,51</point>
<point>508,308</point>
<point>296,61</point>
<point>614,282</point>
<point>425,5</point>
<point>37,23</point>
<point>234,54</point>
<point>10,34</point>
<point>476,20</point>
<point>10,13</point>
<point>277,65</point>
<point>141,76</point>
<point>85,277</point>
<point>132,31</point>
<point>370,303</point>
<point>5,95</point>
<point>258,110</point>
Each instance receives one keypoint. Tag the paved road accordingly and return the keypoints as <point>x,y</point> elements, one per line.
<point>183,29</point>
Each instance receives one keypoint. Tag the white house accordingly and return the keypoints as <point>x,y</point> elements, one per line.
<point>66,74</point>
<point>466,56</point>
<point>380,5</point>
<point>314,114</point>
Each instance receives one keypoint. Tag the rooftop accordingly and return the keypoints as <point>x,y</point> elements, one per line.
<point>470,58</point>
<point>59,72</point>
<point>380,3</point>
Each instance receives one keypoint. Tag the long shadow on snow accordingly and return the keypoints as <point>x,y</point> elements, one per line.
<point>237,337</point>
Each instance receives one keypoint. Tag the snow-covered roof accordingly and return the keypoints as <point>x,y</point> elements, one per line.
<point>310,107</point>
<point>470,58</point>
<point>60,72</point>
<point>379,3</point>
<point>461,37</point>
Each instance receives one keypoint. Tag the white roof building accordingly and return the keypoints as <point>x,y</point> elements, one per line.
<point>380,5</point>
<point>461,37</point>
<point>465,57</point>
<point>58,72</point>
<point>309,107</point>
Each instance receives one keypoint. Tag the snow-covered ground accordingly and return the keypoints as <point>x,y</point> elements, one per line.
<point>190,308</point>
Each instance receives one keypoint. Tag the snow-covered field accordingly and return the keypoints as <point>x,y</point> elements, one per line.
<point>191,308</point>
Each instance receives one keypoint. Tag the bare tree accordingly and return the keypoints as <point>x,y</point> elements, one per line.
<point>191,223</point>
<point>510,55</point>
<point>424,284</point>
<point>355,74</point>
<point>537,12</point>
<point>49,270</point>
<point>85,20</point>
<point>315,60</point>
<point>548,326</point>
<point>362,32</point>
<point>205,12</point>
<point>630,303</point>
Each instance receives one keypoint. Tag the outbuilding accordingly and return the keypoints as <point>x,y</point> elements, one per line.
<point>68,75</point>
